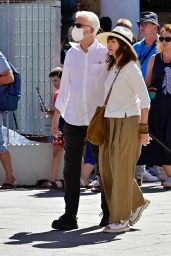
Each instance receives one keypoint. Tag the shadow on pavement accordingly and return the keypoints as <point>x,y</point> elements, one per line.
<point>47,194</point>
<point>65,239</point>
<point>153,189</point>
<point>53,193</point>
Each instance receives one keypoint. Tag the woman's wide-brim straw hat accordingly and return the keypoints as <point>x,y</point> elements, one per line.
<point>120,32</point>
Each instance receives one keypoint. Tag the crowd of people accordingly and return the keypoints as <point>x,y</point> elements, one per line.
<point>127,128</point>
<point>138,111</point>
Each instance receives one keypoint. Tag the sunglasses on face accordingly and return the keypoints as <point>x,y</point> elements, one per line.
<point>166,39</point>
<point>78,25</point>
<point>144,24</point>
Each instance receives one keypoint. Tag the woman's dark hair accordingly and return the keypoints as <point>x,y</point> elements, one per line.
<point>56,72</point>
<point>124,51</point>
<point>106,24</point>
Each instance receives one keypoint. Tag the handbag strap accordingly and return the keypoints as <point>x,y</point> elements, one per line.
<point>147,54</point>
<point>108,95</point>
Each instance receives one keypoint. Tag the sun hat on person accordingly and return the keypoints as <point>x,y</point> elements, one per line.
<point>120,32</point>
<point>148,17</point>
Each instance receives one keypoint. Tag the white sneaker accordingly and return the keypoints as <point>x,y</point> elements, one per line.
<point>123,226</point>
<point>148,177</point>
<point>94,183</point>
<point>135,216</point>
<point>154,170</point>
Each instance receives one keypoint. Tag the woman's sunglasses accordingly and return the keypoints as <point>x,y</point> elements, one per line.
<point>166,39</point>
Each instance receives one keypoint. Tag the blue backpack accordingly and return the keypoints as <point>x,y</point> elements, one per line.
<point>10,94</point>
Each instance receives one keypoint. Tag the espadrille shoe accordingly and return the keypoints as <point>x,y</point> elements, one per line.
<point>135,216</point>
<point>122,226</point>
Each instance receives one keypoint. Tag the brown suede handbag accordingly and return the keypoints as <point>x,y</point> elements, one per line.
<point>97,127</point>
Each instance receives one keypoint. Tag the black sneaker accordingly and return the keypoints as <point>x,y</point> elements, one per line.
<point>96,189</point>
<point>104,221</point>
<point>65,222</point>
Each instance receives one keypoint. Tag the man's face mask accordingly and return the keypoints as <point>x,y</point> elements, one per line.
<point>77,34</point>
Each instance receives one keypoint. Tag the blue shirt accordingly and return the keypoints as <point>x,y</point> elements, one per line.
<point>4,66</point>
<point>141,49</point>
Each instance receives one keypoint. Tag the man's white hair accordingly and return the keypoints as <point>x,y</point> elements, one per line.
<point>92,18</point>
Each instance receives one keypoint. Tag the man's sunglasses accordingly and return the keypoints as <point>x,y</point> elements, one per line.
<point>166,39</point>
<point>144,24</point>
<point>78,25</point>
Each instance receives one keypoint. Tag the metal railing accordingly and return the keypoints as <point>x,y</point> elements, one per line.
<point>30,39</point>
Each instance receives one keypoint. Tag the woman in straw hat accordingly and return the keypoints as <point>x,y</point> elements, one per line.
<point>126,130</point>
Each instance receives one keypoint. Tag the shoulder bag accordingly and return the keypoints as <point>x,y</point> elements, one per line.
<point>97,127</point>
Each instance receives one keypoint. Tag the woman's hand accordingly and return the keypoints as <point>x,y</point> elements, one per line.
<point>145,139</point>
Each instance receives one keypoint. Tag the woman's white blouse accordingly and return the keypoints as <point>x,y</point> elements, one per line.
<point>129,93</point>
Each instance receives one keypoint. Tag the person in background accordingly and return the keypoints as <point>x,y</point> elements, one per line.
<point>82,5</point>
<point>126,116</point>
<point>105,24</point>
<point>127,24</point>
<point>58,143</point>
<point>84,73</point>
<point>159,77</point>
<point>87,165</point>
<point>66,45</point>
<point>6,77</point>
<point>145,48</point>
<point>124,23</point>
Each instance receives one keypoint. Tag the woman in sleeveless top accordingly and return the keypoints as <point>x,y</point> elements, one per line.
<point>159,77</point>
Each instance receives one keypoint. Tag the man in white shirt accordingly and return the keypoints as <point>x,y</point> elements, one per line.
<point>81,91</point>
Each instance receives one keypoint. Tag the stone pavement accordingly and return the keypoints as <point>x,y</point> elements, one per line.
<point>26,216</point>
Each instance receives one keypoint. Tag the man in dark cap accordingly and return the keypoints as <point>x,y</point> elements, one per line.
<point>145,48</point>
<point>148,17</point>
<point>148,25</point>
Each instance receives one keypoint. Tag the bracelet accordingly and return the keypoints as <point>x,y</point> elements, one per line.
<point>143,128</point>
